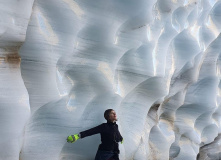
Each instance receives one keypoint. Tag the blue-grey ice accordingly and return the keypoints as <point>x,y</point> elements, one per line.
<point>157,63</point>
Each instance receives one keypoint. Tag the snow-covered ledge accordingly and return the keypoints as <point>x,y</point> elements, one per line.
<point>156,62</point>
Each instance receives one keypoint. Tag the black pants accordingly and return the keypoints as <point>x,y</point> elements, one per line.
<point>106,155</point>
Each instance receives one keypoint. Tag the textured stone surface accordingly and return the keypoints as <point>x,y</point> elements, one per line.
<point>156,62</point>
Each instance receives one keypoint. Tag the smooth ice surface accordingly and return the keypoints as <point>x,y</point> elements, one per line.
<point>14,98</point>
<point>156,62</point>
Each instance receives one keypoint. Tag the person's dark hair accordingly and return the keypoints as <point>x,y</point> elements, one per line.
<point>107,114</point>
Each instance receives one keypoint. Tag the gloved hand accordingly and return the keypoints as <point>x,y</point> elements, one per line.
<point>122,141</point>
<point>72,138</point>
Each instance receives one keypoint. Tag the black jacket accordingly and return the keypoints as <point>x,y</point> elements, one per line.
<point>110,136</point>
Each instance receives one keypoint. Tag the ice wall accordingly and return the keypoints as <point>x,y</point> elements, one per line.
<point>156,62</point>
<point>14,98</point>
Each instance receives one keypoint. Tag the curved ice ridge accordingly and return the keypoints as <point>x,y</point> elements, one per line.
<point>156,62</point>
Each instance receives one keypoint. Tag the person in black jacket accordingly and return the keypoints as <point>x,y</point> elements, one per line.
<point>110,136</point>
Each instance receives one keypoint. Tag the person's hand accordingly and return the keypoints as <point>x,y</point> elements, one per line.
<point>72,138</point>
<point>122,141</point>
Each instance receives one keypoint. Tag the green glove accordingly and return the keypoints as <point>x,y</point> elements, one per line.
<point>72,138</point>
<point>122,141</point>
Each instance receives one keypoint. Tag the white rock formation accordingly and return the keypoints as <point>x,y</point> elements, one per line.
<point>156,62</point>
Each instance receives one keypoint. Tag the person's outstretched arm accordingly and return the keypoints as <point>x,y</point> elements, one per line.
<point>89,132</point>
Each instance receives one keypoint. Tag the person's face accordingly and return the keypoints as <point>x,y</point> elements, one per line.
<point>113,116</point>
